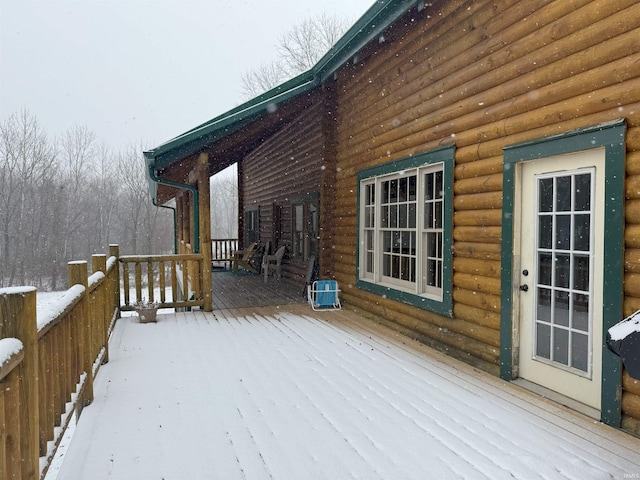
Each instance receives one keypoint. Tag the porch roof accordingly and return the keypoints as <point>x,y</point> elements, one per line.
<point>382,14</point>
<point>279,392</point>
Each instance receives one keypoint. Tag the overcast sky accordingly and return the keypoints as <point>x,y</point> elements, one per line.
<point>139,70</point>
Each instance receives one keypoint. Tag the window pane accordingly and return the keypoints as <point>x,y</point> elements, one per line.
<point>432,270</point>
<point>582,195</point>
<point>544,269</point>
<point>543,340</point>
<point>563,194</point>
<point>581,232</point>
<point>384,216</point>
<point>412,215</point>
<point>393,191</point>
<point>429,186</point>
<point>393,216</point>
<point>545,195</point>
<point>385,192</point>
<point>561,346</point>
<point>562,271</point>
<point>437,221</point>
<point>580,312</point>
<point>581,273</point>
<point>439,190</point>
<point>403,223</point>
<point>545,231</point>
<point>412,188</point>
<point>369,237</point>
<point>563,232</point>
<point>402,190</point>
<point>579,351</point>
<point>428,215</point>
<point>561,308</point>
<point>431,245</point>
<point>386,241</point>
<point>544,305</point>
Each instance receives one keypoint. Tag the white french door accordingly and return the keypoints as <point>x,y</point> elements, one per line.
<point>560,292</point>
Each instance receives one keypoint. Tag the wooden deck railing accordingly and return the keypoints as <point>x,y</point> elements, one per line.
<point>222,250</point>
<point>149,276</point>
<point>48,361</point>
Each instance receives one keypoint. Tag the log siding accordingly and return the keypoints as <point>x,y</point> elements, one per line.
<point>286,167</point>
<point>484,75</point>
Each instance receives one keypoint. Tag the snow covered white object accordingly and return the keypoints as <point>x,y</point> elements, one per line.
<point>623,339</point>
<point>146,311</point>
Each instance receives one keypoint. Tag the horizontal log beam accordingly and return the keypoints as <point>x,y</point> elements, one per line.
<point>481,251</point>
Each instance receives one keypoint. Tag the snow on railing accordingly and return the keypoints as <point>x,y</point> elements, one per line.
<point>49,359</point>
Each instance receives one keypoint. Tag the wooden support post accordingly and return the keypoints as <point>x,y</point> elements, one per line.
<point>18,320</point>
<point>3,434</point>
<point>202,172</point>
<point>78,275</point>
<point>99,264</point>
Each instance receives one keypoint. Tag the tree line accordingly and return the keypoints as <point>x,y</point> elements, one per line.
<point>67,198</point>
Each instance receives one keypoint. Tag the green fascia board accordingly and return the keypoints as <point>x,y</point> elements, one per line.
<point>610,135</point>
<point>382,14</point>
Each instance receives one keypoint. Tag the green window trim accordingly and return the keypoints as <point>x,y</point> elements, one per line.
<point>611,136</point>
<point>444,155</point>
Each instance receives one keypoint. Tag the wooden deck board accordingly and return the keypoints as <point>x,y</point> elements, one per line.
<point>279,392</point>
<point>241,290</point>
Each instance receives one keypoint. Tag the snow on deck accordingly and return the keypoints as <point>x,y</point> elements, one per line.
<point>290,394</point>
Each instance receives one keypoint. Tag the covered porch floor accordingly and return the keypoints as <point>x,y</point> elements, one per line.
<point>243,289</point>
<point>281,392</point>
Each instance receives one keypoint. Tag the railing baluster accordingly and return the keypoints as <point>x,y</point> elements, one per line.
<point>174,281</point>
<point>138,280</point>
<point>125,282</point>
<point>161,279</point>
<point>151,290</point>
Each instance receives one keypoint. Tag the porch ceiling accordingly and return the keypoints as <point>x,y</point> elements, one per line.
<point>237,141</point>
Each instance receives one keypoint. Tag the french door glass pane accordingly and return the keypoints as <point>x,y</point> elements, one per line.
<point>563,275</point>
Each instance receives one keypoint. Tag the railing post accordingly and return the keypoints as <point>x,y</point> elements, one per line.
<point>114,251</point>
<point>18,320</point>
<point>78,275</point>
<point>99,264</point>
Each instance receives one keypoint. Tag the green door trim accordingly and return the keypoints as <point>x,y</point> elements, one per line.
<point>611,136</point>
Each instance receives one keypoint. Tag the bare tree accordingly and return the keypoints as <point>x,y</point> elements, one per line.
<point>224,205</point>
<point>298,51</point>
<point>26,158</point>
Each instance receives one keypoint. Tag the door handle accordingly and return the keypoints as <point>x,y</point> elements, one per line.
<point>524,288</point>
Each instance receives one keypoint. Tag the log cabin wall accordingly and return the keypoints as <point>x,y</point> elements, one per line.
<point>484,74</point>
<point>287,167</point>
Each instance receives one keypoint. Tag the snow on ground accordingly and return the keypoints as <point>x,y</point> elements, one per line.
<point>279,395</point>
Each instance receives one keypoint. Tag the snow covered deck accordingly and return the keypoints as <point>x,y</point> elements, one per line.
<point>286,393</point>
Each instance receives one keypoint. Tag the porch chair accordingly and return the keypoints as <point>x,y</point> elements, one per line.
<point>275,260</point>
<point>245,258</point>
<point>323,295</point>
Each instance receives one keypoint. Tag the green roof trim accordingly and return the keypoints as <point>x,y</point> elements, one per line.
<point>382,14</point>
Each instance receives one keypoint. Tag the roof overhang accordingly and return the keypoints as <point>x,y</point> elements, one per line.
<point>369,27</point>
